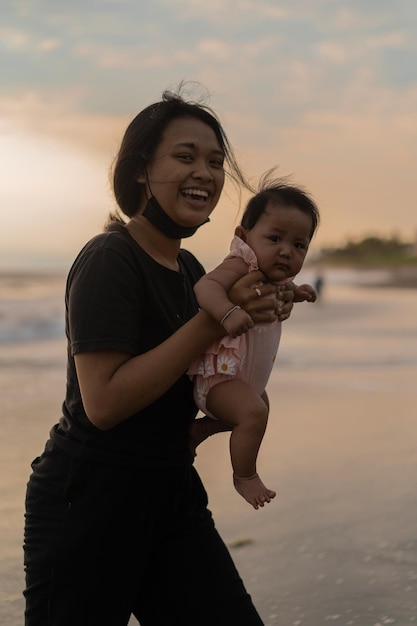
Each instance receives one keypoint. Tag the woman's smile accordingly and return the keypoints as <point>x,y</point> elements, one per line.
<point>195,196</point>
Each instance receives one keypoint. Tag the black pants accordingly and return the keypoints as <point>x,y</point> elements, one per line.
<point>103,542</point>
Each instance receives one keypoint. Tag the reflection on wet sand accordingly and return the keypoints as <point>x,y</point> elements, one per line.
<point>339,543</point>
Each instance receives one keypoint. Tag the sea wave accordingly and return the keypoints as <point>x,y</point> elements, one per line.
<point>28,321</point>
<point>31,307</point>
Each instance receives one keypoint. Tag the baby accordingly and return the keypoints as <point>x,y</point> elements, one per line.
<point>230,377</point>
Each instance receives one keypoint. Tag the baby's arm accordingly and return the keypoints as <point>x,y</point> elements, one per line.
<point>211,292</point>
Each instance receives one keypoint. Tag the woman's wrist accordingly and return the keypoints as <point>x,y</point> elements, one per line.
<point>211,327</point>
<point>229,313</point>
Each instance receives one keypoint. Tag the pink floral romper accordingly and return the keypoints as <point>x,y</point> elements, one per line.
<point>249,357</point>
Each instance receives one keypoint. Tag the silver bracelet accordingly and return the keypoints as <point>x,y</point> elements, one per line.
<point>234,308</point>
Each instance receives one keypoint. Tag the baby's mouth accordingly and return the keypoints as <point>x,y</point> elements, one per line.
<point>282,266</point>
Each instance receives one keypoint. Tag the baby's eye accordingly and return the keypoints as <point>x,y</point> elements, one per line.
<point>274,238</point>
<point>301,246</point>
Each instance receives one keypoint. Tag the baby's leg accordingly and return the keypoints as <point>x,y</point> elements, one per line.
<point>237,404</point>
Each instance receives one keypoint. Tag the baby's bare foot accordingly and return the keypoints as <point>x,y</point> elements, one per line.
<point>253,490</point>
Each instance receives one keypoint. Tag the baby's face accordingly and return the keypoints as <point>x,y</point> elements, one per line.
<point>280,240</point>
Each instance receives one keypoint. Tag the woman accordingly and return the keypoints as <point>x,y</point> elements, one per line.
<point>117,520</point>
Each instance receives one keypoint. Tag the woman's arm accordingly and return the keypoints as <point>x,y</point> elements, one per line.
<point>115,385</point>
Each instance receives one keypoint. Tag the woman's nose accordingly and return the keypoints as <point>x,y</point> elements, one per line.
<point>202,171</point>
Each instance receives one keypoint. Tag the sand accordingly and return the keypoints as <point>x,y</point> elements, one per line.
<point>339,543</point>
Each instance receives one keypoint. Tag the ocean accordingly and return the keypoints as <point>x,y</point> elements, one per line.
<point>339,543</point>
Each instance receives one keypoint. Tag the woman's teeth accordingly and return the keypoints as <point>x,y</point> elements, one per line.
<point>196,193</point>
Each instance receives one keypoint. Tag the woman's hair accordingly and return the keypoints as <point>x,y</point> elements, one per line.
<point>142,138</point>
<point>277,191</point>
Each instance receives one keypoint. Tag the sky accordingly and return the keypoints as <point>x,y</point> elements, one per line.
<point>325,90</point>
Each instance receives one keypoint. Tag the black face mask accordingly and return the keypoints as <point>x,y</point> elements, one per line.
<point>155,214</point>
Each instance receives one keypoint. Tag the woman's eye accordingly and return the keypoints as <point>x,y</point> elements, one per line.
<point>185,157</point>
<point>217,163</point>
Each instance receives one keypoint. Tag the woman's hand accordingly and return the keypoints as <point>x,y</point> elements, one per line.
<point>264,303</point>
<point>285,295</point>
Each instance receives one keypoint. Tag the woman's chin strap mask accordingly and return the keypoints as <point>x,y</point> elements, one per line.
<point>155,214</point>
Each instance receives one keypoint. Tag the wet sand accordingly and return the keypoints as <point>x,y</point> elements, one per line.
<point>339,543</point>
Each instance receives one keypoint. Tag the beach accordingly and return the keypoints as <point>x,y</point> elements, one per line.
<point>339,542</point>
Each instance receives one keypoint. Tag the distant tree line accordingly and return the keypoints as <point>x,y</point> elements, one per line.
<point>371,251</point>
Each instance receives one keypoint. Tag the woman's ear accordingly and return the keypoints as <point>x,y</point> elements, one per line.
<point>240,232</point>
<point>142,178</point>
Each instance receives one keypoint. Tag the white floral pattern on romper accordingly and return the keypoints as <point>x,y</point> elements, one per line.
<point>202,392</point>
<point>203,366</point>
<point>226,365</point>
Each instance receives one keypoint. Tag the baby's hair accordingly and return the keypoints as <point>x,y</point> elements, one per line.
<point>277,191</point>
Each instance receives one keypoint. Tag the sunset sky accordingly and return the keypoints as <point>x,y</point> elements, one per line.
<point>324,89</point>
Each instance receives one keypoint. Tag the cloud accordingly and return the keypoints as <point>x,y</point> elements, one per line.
<point>336,52</point>
<point>47,45</point>
<point>14,39</point>
<point>59,115</point>
<point>389,40</point>
<point>20,41</point>
<point>216,50</point>
<point>114,57</point>
<point>357,48</point>
<point>234,13</point>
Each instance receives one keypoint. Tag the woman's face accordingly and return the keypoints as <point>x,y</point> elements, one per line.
<point>186,174</point>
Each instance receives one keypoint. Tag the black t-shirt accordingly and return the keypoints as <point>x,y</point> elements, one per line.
<point>120,298</point>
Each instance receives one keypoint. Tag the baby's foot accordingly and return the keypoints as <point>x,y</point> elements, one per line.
<point>253,490</point>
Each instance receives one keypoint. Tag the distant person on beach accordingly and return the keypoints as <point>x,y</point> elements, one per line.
<point>230,377</point>
<point>319,284</point>
<point>116,515</point>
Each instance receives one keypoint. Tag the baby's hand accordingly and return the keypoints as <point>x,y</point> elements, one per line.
<point>238,323</point>
<point>304,293</point>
